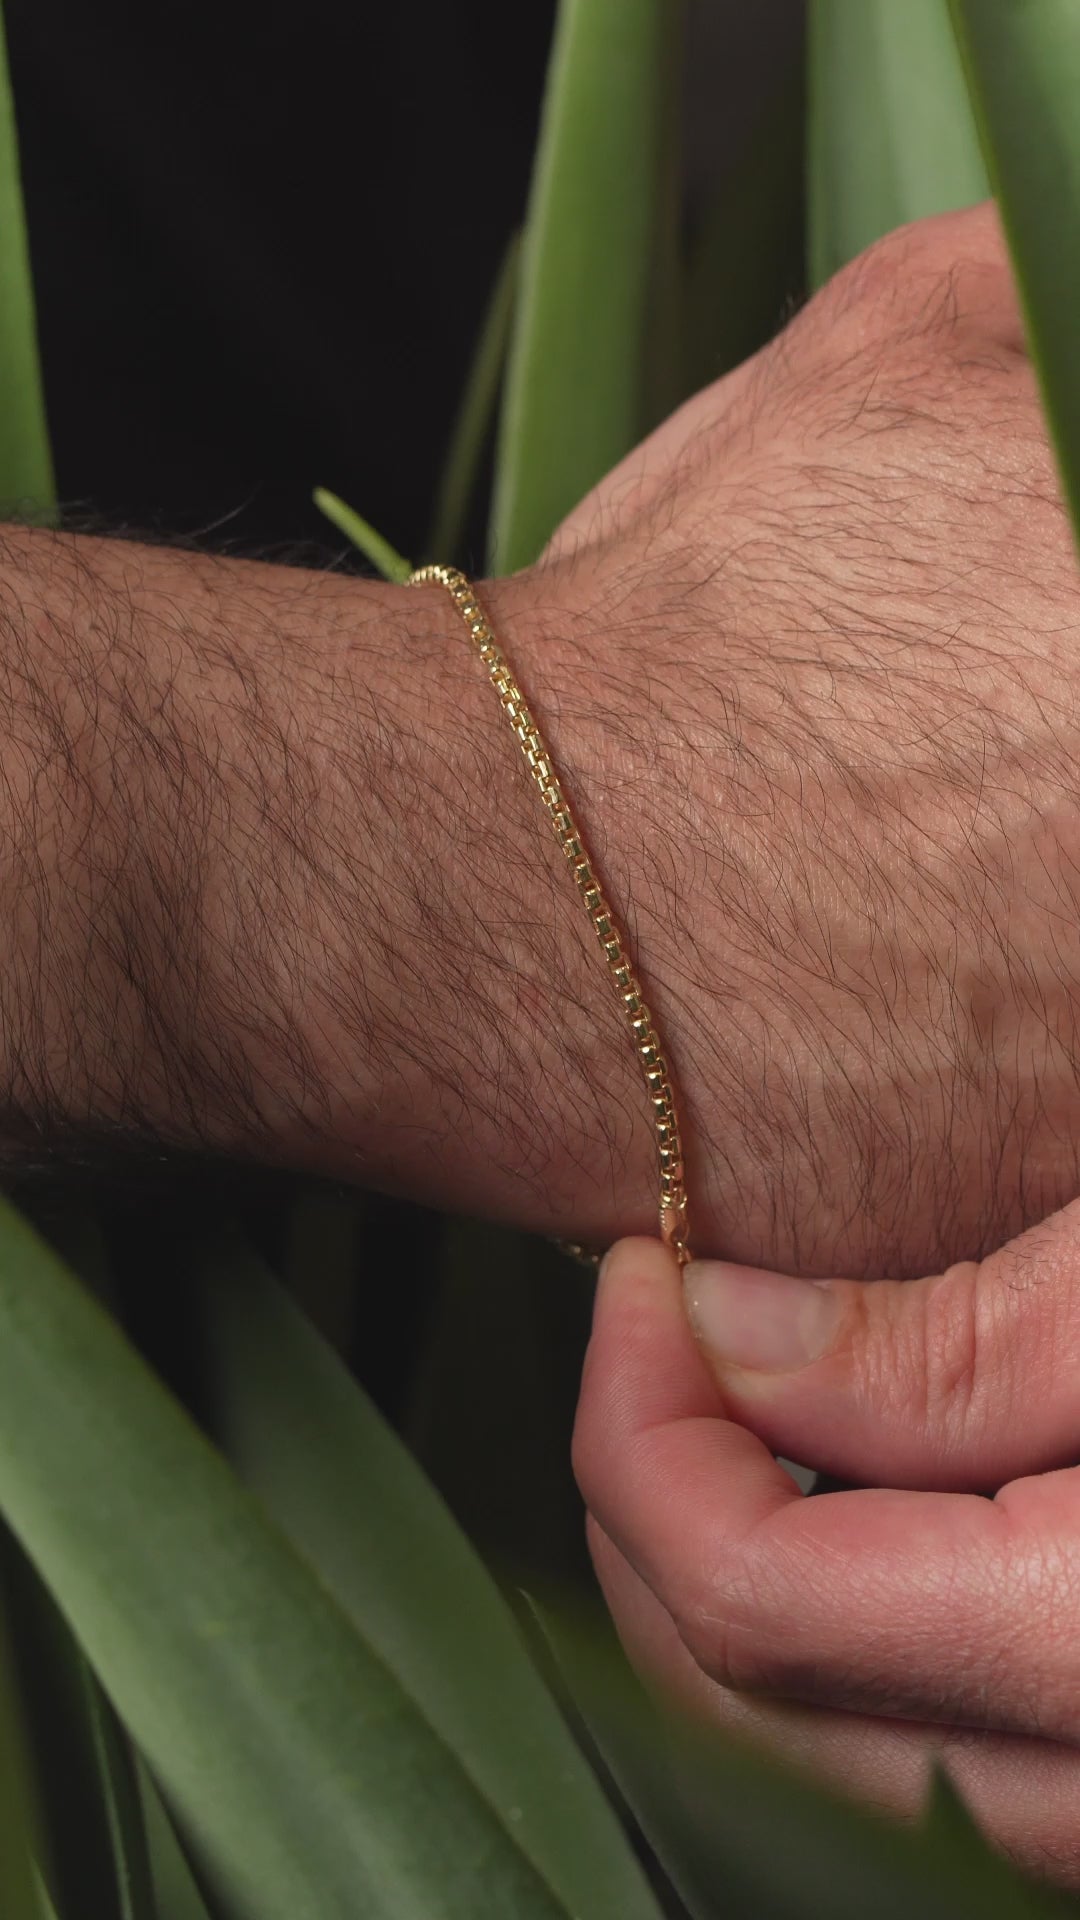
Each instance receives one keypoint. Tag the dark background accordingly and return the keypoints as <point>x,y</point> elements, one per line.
<point>263,236</point>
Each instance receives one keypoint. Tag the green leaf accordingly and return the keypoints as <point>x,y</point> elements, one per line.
<point>47,1910</point>
<point>20,1895</point>
<point>745,1837</point>
<point>1023,69</point>
<point>381,554</point>
<point>92,1850</point>
<point>664,374</point>
<point>26,475</point>
<point>352,1500</point>
<point>575,387</point>
<point>307,1782</point>
<point>320,1257</point>
<point>745,262</point>
<point>890,132</point>
<point>475,413</point>
<point>122,1807</point>
<point>175,1892</point>
<point>948,1828</point>
<point>493,1392</point>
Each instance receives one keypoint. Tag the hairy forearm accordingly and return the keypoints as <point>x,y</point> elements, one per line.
<point>275,885</point>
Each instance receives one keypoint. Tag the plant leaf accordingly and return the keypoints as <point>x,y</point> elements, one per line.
<point>745,262</point>
<point>350,1497</point>
<point>122,1807</point>
<point>20,1891</point>
<point>92,1850</point>
<point>475,413</point>
<point>176,1895</point>
<point>1023,70</point>
<point>494,1387</point>
<point>745,1837</point>
<point>663,371</point>
<point>320,1257</point>
<point>307,1784</point>
<point>890,132</point>
<point>383,557</point>
<point>948,1827</point>
<point>26,475</point>
<point>575,386</point>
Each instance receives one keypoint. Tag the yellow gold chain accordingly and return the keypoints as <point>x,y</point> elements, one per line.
<point>673,1225</point>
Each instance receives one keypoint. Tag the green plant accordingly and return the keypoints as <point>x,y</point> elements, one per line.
<point>268,1675</point>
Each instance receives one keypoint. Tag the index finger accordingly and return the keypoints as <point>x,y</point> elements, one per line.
<point>937,1606</point>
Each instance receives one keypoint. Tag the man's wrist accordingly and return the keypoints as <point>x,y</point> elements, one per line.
<point>279,885</point>
<point>508,1085</point>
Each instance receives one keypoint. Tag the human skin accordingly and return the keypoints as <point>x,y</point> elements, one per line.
<point>923,883</point>
<point>849,831</point>
<point>274,886</point>
<point>277,884</point>
<point>859,1633</point>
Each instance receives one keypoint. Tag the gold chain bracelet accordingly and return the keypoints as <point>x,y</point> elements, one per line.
<point>673,1227</point>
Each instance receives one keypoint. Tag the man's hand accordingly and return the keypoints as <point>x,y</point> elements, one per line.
<point>859,1633</point>
<point>274,880</point>
<point>829,621</point>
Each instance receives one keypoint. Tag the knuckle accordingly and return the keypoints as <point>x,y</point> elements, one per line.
<point>880,283</point>
<point>937,282</point>
<point>1041,1601</point>
<point>923,1353</point>
<point>706,1614</point>
<point>726,1618</point>
<point>953,1348</point>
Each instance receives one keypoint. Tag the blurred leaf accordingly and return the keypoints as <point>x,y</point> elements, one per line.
<point>890,132</point>
<point>745,1837</point>
<point>475,413</point>
<point>745,262</point>
<point>664,380</point>
<point>321,1257</point>
<point>1023,69</point>
<point>45,1906</point>
<point>949,1826</point>
<point>92,1847</point>
<point>307,1784</point>
<point>575,387</point>
<point>122,1807</point>
<point>20,1896</point>
<point>175,1891</point>
<point>26,475</point>
<point>494,1390</point>
<point>355,1504</point>
<point>371,544</point>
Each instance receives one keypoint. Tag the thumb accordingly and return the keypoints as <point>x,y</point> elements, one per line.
<point>965,1379</point>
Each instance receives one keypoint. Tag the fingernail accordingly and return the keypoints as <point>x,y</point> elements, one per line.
<point>766,1322</point>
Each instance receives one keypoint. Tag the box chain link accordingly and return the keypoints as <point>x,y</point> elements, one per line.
<point>654,1067</point>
